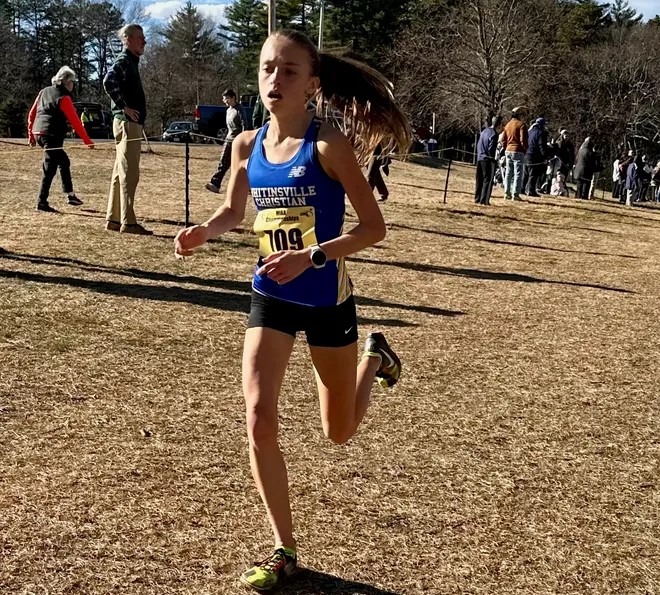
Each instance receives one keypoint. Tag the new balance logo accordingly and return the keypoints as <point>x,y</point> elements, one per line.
<point>297,172</point>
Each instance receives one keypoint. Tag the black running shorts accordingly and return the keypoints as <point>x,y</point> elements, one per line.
<point>328,326</point>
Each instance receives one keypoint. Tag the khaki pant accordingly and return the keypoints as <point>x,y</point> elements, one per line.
<point>126,173</point>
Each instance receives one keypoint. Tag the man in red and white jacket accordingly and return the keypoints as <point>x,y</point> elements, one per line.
<point>47,127</point>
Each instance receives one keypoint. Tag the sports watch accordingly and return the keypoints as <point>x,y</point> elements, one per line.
<point>318,257</point>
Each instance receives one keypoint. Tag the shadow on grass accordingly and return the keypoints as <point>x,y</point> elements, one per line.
<point>506,242</point>
<point>617,209</point>
<point>94,214</point>
<point>492,215</point>
<point>232,302</point>
<point>439,191</point>
<point>485,275</point>
<point>61,261</point>
<point>223,300</point>
<point>311,582</point>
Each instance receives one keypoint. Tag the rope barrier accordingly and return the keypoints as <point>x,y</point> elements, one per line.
<point>187,135</point>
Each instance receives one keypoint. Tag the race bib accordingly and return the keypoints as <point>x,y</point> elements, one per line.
<point>288,228</point>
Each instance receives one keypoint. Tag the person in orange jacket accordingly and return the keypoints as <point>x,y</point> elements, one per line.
<point>47,127</point>
<point>514,139</point>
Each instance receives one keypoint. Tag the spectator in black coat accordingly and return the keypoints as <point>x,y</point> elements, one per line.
<point>633,181</point>
<point>374,176</point>
<point>585,167</point>
<point>535,157</point>
<point>624,164</point>
<point>565,152</point>
<point>645,176</point>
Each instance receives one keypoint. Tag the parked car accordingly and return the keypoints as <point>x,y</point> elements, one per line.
<point>211,120</point>
<point>177,131</point>
<point>98,125</point>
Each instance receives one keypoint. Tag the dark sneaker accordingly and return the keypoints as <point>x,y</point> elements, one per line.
<point>389,372</point>
<point>136,229</point>
<point>112,225</point>
<point>213,188</point>
<point>74,200</point>
<point>272,571</point>
<point>46,208</point>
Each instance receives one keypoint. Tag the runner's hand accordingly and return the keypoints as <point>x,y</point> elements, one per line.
<point>190,238</point>
<point>285,265</point>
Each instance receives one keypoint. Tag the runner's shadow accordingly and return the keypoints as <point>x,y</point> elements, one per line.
<point>311,582</point>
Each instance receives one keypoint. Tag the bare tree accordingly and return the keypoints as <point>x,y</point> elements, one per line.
<point>480,58</point>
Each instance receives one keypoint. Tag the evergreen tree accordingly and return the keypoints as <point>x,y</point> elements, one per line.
<point>192,44</point>
<point>302,15</point>
<point>246,30</point>
<point>30,20</point>
<point>61,36</point>
<point>367,27</point>
<point>101,26</point>
<point>585,23</point>
<point>623,15</point>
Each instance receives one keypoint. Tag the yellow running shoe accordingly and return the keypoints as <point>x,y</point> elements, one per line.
<point>389,372</point>
<point>272,571</point>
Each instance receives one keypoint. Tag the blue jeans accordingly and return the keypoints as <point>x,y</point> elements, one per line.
<point>514,173</point>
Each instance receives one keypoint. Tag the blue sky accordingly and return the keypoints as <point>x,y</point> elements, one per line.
<point>163,9</point>
<point>649,8</point>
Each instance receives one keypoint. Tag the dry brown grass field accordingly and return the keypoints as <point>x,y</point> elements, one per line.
<point>519,454</point>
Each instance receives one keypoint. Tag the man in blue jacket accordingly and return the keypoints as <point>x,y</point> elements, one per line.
<point>486,148</point>
<point>536,156</point>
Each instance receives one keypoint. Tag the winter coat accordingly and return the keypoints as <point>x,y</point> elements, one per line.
<point>514,138</point>
<point>585,165</point>
<point>536,151</point>
<point>632,176</point>
<point>566,152</point>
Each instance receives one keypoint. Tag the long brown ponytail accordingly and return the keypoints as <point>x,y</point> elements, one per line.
<point>363,97</point>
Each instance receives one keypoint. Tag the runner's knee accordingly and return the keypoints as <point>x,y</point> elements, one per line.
<point>261,425</point>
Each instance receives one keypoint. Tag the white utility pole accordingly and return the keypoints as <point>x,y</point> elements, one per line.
<point>271,17</point>
<point>321,18</point>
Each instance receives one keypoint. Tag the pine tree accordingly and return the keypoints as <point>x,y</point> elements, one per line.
<point>586,23</point>
<point>102,22</point>
<point>302,15</point>
<point>190,38</point>
<point>367,27</point>
<point>246,30</point>
<point>623,15</point>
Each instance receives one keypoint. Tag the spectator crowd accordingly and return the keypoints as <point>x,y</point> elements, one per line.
<point>524,159</point>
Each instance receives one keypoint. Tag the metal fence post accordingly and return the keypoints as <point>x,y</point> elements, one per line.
<point>444,198</point>
<point>187,180</point>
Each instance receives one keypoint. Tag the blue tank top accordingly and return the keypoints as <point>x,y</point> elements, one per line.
<point>298,205</point>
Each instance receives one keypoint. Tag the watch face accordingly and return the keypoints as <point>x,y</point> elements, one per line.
<point>319,257</point>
